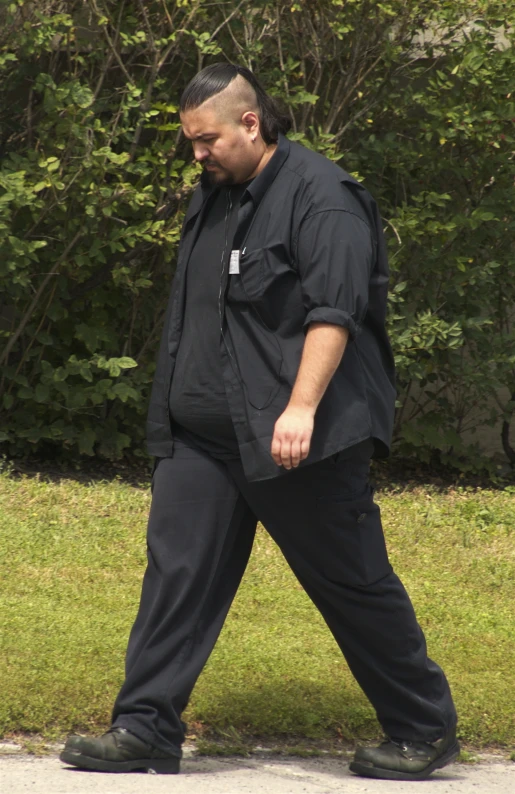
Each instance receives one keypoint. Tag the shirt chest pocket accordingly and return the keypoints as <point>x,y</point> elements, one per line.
<point>261,272</point>
<point>246,277</point>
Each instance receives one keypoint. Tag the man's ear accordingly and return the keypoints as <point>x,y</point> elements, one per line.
<point>250,121</point>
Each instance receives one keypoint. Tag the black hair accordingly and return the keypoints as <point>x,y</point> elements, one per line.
<point>215,78</point>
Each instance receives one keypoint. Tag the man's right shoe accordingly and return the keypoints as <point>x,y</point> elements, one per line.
<point>118,750</point>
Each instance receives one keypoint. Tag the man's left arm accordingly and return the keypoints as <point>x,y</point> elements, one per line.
<point>335,253</point>
<point>322,352</point>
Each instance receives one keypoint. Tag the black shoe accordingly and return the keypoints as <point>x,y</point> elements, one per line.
<point>397,759</point>
<point>118,750</point>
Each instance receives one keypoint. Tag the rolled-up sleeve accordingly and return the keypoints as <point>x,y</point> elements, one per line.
<point>335,257</point>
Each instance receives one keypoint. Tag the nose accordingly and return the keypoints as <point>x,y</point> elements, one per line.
<point>200,151</point>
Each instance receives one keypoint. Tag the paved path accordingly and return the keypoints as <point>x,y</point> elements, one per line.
<point>21,774</point>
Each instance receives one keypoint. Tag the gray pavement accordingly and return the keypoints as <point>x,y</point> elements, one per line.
<point>264,774</point>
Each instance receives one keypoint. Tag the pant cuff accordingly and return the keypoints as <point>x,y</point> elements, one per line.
<point>146,736</point>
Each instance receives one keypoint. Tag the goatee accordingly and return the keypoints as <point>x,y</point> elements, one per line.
<point>218,180</point>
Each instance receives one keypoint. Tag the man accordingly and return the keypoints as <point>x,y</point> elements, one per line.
<point>273,389</point>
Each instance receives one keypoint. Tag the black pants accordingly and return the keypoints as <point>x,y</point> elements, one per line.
<point>201,528</point>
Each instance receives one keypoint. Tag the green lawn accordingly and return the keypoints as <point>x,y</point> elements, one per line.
<point>71,561</point>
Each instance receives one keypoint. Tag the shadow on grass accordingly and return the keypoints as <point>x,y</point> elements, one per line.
<point>397,474</point>
<point>88,472</point>
<point>285,710</point>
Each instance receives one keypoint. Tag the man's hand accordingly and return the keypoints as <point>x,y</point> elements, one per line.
<point>292,436</point>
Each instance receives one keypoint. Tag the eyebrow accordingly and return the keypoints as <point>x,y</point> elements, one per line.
<point>200,135</point>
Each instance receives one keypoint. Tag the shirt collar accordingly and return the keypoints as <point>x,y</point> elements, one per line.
<point>264,179</point>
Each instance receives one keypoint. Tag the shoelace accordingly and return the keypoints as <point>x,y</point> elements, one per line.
<point>117,732</point>
<point>402,743</point>
<point>406,744</point>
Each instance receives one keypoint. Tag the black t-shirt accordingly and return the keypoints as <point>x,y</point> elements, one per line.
<point>198,402</point>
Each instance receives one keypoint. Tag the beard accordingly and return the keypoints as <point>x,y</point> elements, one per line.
<point>218,178</point>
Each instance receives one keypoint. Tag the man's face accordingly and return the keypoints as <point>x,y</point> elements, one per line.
<point>225,147</point>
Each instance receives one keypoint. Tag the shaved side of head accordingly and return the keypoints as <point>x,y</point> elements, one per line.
<point>232,102</point>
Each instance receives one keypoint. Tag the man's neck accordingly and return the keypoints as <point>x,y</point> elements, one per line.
<point>265,159</point>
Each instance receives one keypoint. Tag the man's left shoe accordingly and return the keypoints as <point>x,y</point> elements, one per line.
<point>397,759</point>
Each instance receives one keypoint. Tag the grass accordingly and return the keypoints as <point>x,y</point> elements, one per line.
<point>71,561</point>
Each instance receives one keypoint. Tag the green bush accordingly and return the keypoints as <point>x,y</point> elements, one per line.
<point>415,99</point>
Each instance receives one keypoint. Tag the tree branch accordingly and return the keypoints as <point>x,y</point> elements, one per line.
<point>28,314</point>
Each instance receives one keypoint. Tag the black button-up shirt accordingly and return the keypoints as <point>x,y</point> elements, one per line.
<point>311,250</point>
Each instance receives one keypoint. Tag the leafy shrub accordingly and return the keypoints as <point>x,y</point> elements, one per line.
<point>415,99</point>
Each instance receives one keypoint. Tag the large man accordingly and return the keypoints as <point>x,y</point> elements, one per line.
<point>274,388</point>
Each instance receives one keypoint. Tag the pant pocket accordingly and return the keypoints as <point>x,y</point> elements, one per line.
<point>353,534</point>
<point>154,467</point>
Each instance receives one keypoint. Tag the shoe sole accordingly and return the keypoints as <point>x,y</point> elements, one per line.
<point>390,774</point>
<point>159,766</point>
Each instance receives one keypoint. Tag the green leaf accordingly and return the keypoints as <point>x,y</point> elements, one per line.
<point>42,393</point>
<point>125,362</point>
<point>8,401</point>
<point>86,442</point>
<point>81,95</point>
<point>124,392</point>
